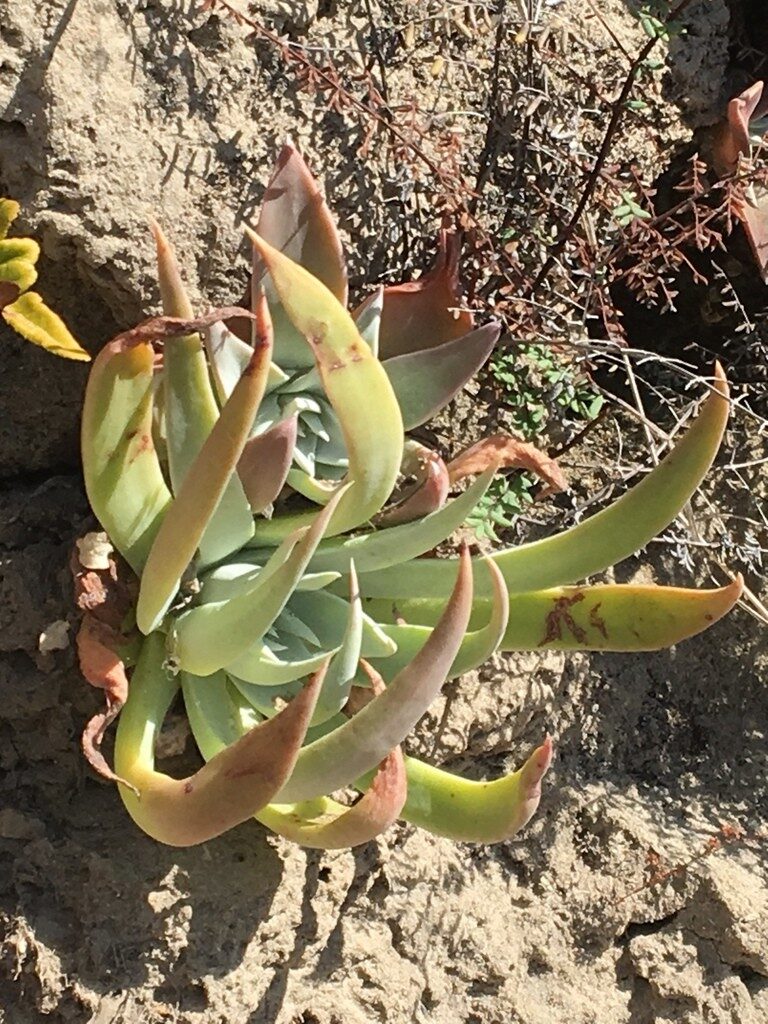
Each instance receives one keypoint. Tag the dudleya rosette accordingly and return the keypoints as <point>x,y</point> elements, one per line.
<point>243,464</point>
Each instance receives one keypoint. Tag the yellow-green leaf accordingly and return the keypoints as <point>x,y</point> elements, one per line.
<point>32,319</point>
<point>9,211</point>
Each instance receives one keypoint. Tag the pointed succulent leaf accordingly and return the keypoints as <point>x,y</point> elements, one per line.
<point>234,784</point>
<point>427,379</point>
<point>190,413</point>
<point>324,825</point>
<point>731,137</point>
<point>424,313</point>
<point>32,319</point>
<point>228,356</point>
<point>594,544</point>
<point>265,462</point>
<point>295,220</point>
<point>367,319</point>
<point>356,747</point>
<point>399,544</point>
<point>343,666</point>
<point>477,646</point>
<point>261,668</point>
<point>603,617</point>
<point>328,616</point>
<point>123,477</point>
<point>201,490</point>
<point>356,386</point>
<point>211,636</point>
<point>173,294</point>
<point>320,823</point>
<point>474,812</point>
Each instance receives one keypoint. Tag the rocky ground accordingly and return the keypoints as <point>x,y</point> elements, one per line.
<point>639,893</point>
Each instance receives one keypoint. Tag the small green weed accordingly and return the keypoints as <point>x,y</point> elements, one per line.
<point>541,387</point>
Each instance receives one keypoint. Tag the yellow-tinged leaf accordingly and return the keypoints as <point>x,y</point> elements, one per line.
<point>33,320</point>
<point>9,211</point>
<point>17,262</point>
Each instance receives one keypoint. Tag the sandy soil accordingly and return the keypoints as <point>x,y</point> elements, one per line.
<point>113,109</point>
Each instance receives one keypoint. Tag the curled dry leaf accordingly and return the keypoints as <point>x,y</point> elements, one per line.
<point>506,452</point>
<point>429,493</point>
<point>157,328</point>
<point>105,597</point>
<point>102,667</point>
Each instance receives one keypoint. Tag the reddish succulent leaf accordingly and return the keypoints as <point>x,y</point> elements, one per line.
<point>422,314</point>
<point>240,780</point>
<point>377,809</point>
<point>507,452</point>
<point>295,219</point>
<point>426,380</point>
<point>731,138</point>
<point>730,142</point>
<point>429,494</point>
<point>264,464</point>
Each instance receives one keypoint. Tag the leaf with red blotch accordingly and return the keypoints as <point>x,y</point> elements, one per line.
<point>423,314</point>
<point>507,452</point>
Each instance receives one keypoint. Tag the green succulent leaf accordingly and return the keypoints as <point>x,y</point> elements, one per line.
<point>594,544</point>
<point>207,638</point>
<point>603,617</point>
<point>190,414</point>
<point>357,388</point>
<point>123,478</point>
<point>398,545</point>
<point>427,379</point>
<point>473,812</point>
<point>201,491</point>
<point>361,743</point>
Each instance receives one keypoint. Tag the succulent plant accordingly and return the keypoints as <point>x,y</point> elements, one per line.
<point>238,479</point>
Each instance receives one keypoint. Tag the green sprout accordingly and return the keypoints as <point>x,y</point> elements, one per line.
<point>276,583</point>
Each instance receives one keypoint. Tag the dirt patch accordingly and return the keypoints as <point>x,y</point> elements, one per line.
<point>624,902</point>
